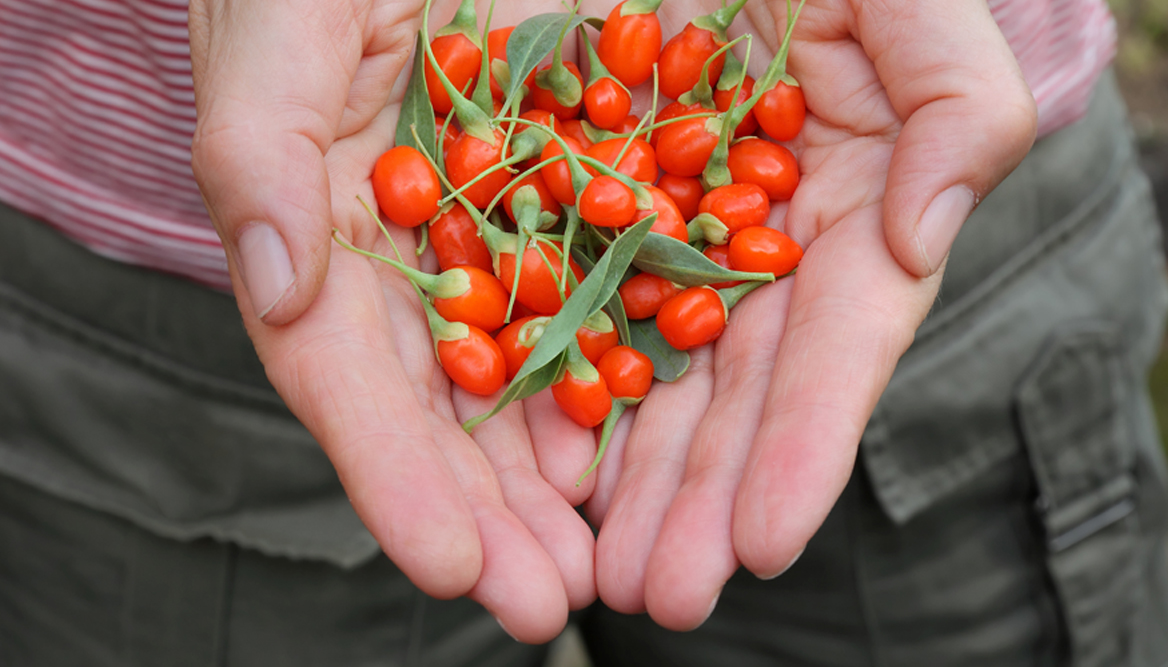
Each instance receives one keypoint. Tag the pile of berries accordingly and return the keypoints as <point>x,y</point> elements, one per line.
<point>581,236</point>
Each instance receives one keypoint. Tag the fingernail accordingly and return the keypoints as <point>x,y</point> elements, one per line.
<point>266,266</point>
<point>504,627</point>
<point>785,568</point>
<point>941,222</point>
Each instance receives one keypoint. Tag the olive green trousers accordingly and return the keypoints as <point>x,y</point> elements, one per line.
<point>160,506</point>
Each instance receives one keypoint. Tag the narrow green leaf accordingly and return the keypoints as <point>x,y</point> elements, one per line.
<point>586,299</point>
<point>683,264</point>
<point>416,109</point>
<point>520,388</point>
<point>669,363</point>
<point>732,295</point>
<point>532,41</point>
<point>615,307</point>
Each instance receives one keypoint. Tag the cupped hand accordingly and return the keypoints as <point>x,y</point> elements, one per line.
<point>916,111</point>
<point>296,100</point>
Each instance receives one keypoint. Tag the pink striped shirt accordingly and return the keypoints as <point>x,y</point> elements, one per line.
<point>97,113</point>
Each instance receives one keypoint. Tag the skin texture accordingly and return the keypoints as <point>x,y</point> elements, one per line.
<point>736,463</point>
<point>903,106</point>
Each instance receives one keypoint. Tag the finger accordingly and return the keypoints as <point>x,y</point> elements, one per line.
<point>520,584</point>
<point>853,314</point>
<point>555,524</point>
<point>272,81</point>
<point>563,448</point>
<point>684,581</point>
<point>337,368</point>
<point>969,119</point>
<point>651,473</point>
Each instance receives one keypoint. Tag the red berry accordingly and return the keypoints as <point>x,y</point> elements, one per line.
<point>720,255</point>
<point>669,219</point>
<point>781,111</point>
<point>406,186</point>
<point>460,60</point>
<point>469,157</point>
<point>607,103</point>
<point>693,318</point>
<point>474,363</point>
<point>538,285</point>
<point>587,403</point>
<point>484,304</point>
<point>680,64</point>
<point>644,294</point>
<point>723,98</point>
<point>518,339</point>
<point>497,50</point>
<point>738,205</point>
<point>606,202</point>
<point>627,372</point>
<point>639,162</point>
<point>686,192</point>
<point>764,250</point>
<point>594,343</point>
<point>629,45</point>
<point>685,147</point>
<point>456,241</point>
<point>556,175</point>
<point>769,166</point>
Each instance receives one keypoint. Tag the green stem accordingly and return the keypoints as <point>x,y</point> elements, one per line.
<point>470,116</point>
<point>717,22</point>
<point>614,415</point>
<point>482,92</point>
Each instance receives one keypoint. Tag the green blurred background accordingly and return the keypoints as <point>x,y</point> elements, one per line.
<point>1141,64</point>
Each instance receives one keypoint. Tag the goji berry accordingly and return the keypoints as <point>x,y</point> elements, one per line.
<point>483,303</point>
<point>686,192</point>
<point>680,64</point>
<point>607,103</point>
<point>629,45</point>
<point>597,336</point>
<point>639,162</point>
<point>587,403</point>
<point>669,219</point>
<point>764,250</point>
<point>469,157</point>
<point>781,111</point>
<point>406,186</point>
<point>460,60</point>
<point>767,165</point>
<point>518,339</point>
<point>693,318</point>
<point>627,372</point>
<point>644,294</point>
<point>606,202</point>
<point>539,283</point>
<point>474,363</point>
<point>545,98</point>
<point>685,147</point>
<point>738,205</point>
<point>456,241</point>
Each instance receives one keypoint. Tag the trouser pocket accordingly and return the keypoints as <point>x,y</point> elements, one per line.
<point>1070,412</point>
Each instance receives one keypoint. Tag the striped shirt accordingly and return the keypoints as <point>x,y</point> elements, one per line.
<point>97,113</point>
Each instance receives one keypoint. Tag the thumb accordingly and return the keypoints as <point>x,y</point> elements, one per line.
<point>271,81</point>
<point>969,119</point>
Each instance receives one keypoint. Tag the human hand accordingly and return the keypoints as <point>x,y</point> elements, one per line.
<point>916,111</point>
<point>296,101</point>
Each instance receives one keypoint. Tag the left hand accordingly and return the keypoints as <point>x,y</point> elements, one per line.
<point>916,111</point>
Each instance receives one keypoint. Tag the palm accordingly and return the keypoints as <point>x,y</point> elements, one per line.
<point>358,366</point>
<point>740,461</point>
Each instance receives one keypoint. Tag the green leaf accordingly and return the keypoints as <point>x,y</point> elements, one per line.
<point>532,41</point>
<point>615,307</point>
<point>589,297</point>
<point>683,264</point>
<point>416,109</point>
<point>732,295</point>
<point>520,388</point>
<point>669,363</point>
